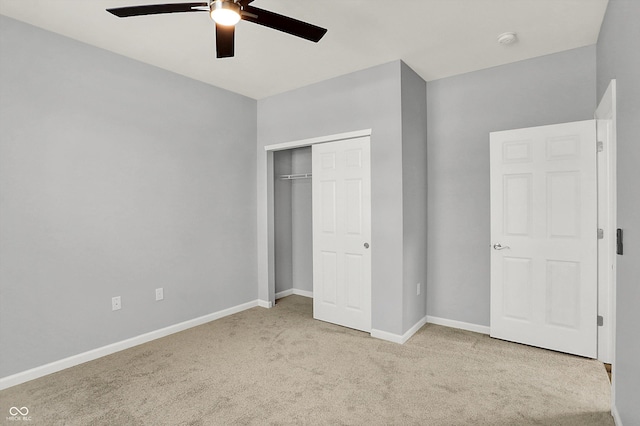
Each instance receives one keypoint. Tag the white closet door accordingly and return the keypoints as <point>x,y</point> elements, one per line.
<point>544,237</point>
<point>341,190</point>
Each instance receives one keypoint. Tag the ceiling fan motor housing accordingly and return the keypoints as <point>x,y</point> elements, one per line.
<point>233,5</point>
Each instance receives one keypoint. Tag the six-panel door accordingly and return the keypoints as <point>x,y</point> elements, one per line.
<point>544,237</point>
<point>341,233</point>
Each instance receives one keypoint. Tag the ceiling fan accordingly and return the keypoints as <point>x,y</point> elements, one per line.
<point>226,14</point>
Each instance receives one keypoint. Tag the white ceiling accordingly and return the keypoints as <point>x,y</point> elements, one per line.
<point>437,38</point>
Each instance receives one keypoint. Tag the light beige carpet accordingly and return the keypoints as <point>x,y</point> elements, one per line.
<point>279,366</point>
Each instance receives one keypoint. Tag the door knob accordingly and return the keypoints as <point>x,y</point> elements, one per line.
<point>366,245</point>
<point>499,246</point>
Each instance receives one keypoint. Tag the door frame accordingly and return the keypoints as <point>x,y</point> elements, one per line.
<point>605,116</point>
<point>266,255</point>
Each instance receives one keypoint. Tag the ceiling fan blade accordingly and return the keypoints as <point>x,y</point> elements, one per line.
<point>283,23</point>
<point>155,9</point>
<point>224,41</point>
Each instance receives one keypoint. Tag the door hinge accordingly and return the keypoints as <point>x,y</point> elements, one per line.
<point>599,146</point>
<point>600,234</point>
<point>600,321</point>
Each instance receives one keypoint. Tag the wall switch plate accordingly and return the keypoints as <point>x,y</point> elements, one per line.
<point>116,303</point>
<point>159,293</point>
<point>418,289</point>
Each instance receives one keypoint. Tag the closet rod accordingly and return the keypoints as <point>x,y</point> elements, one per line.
<point>296,176</point>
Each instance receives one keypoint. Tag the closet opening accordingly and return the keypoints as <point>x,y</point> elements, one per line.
<point>293,227</point>
<point>285,219</point>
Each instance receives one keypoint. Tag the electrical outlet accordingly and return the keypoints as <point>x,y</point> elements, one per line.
<point>418,289</point>
<point>159,293</point>
<point>116,303</point>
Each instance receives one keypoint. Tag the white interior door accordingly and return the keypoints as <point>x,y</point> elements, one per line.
<point>341,188</point>
<point>544,237</point>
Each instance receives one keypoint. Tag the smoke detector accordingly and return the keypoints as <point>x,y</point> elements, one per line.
<point>507,38</point>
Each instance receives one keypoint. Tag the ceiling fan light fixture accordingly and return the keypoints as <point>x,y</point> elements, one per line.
<point>225,12</point>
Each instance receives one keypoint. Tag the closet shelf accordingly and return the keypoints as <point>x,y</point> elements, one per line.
<point>296,176</point>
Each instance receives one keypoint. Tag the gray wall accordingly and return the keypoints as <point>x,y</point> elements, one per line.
<point>618,53</point>
<point>115,178</point>
<point>362,100</point>
<point>414,195</point>
<point>461,112</point>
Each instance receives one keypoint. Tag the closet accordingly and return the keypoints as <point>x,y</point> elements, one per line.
<point>322,229</point>
<point>293,236</point>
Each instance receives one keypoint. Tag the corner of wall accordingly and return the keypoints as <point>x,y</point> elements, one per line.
<point>414,195</point>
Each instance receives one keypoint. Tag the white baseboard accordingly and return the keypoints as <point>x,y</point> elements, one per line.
<point>43,370</point>
<point>264,304</point>
<point>304,293</point>
<point>459,324</point>
<point>284,293</point>
<point>384,335</point>
<point>397,338</point>
<point>616,416</point>
<point>291,291</point>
